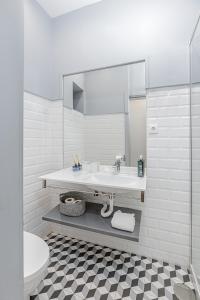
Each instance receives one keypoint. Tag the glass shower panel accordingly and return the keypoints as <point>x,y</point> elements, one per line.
<point>195,151</point>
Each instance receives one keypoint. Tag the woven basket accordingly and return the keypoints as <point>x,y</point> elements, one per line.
<point>72,208</point>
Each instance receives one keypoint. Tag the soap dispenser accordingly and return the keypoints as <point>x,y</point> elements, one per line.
<point>140,166</point>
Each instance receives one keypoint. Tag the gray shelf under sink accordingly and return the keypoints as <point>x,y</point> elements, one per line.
<point>92,221</point>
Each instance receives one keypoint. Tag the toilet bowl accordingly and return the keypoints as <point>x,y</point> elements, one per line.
<point>36,258</point>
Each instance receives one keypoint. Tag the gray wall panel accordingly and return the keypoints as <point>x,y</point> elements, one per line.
<point>11,130</point>
<point>38,51</point>
<point>109,33</point>
<point>106,91</point>
<point>117,31</point>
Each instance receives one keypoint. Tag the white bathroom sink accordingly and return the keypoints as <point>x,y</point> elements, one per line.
<point>111,179</point>
<point>66,176</point>
<point>108,182</point>
<point>103,181</point>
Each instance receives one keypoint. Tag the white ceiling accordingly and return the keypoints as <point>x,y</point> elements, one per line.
<point>56,8</point>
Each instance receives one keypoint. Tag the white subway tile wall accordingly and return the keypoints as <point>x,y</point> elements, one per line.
<point>93,138</point>
<point>168,186</point>
<point>196,179</point>
<point>165,225</point>
<point>104,137</point>
<point>74,123</point>
<point>42,154</point>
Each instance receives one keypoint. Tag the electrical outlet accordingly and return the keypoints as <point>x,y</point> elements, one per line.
<point>153,128</point>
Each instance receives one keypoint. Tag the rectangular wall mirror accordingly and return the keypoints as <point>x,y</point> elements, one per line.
<point>105,110</point>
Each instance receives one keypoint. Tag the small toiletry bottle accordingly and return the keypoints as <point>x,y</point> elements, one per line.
<point>75,166</point>
<point>78,163</point>
<point>140,165</point>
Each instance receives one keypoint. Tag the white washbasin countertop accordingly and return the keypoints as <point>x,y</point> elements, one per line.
<point>105,180</point>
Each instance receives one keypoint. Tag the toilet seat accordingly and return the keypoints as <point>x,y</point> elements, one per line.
<point>36,258</point>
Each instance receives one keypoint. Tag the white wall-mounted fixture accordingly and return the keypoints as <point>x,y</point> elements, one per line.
<point>104,180</point>
<point>153,128</point>
<point>57,8</point>
<point>34,266</point>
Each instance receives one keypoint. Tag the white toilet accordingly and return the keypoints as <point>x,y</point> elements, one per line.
<point>36,258</point>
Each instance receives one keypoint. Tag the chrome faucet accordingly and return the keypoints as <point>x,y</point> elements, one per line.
<point>117,164</point>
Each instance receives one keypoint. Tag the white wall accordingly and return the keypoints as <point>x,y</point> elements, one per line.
<point>42,154</point>
<point>168,184</point>
<point>137,130</point>
<point>195,111</point>
<point>104,137</point>
<point>39,72</point>
<point>74,143</point>
<point>93,138</point>
<point>165,226</point>
<point>95,37</point>
<point>119,31</point>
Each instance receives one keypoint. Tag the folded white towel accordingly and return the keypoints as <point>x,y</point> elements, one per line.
<point>123,221</point>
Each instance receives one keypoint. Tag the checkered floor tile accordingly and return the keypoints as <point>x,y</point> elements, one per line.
<point>79,270</point>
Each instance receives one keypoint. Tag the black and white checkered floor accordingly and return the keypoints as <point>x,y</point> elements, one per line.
<point>79,270</point>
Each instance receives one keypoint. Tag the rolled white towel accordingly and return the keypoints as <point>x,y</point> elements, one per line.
<point>123,221</point>
<point>69,200</point>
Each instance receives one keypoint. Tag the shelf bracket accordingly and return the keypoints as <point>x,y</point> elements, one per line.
<point>44,184</point>
<point>142,196</point>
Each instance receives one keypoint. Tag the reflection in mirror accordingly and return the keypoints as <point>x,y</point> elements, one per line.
<point>105,115</point>
<point>137,129</point>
